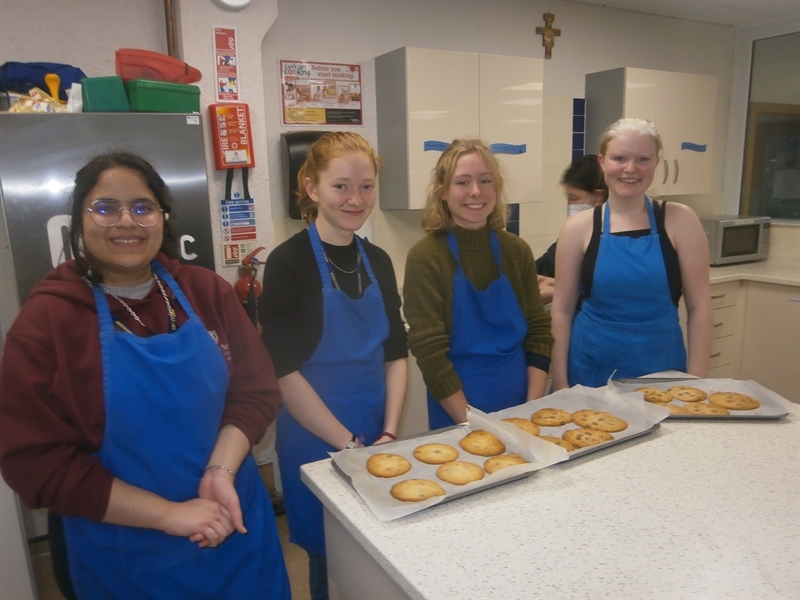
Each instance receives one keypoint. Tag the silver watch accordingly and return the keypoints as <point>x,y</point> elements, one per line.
<point>351,444</point>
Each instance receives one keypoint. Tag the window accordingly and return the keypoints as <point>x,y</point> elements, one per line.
<point>771,170</point>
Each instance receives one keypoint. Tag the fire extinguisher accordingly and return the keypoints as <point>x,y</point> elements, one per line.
<point>248,289</point>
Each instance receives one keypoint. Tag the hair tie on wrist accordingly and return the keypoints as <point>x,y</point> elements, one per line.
<point>221,467</point>
<point>387,434</point>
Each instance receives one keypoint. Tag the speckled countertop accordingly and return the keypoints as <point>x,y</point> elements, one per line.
<point>694,510</point>
<point>778,269</point>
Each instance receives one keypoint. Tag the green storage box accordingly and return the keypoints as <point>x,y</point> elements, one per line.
<point>104,94</point>
<point>159,96</point>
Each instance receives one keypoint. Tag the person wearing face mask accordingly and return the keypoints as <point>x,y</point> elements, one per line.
<point>584,188</point>
<point>478,327</point>
<point>330,316</point>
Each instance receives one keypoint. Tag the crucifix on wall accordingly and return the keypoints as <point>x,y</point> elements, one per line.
<point>549,34</point>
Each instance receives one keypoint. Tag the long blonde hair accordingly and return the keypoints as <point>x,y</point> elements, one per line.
<point>437,216</point>
<point>329,146</point>
<point>631,125</point>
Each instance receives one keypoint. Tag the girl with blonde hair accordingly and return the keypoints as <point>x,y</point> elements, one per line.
<point>479,330</point>
<point>330,316</point>
<point>630,260</point>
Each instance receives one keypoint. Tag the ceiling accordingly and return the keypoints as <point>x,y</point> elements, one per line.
<point>736,13</point>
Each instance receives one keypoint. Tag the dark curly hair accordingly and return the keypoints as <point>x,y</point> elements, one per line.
<point>85,181</point>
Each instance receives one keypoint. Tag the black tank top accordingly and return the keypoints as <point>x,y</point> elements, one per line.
<point>667,251</point>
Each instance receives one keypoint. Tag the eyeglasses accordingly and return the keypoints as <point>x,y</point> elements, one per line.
<point>107,213</point>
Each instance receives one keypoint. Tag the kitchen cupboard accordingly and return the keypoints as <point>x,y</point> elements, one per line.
<point>427,98</point>
<point>771,339</point>
<point>755,334</point>
<point>727,319</point>
<point>681,105</point>
<point>727,313</point>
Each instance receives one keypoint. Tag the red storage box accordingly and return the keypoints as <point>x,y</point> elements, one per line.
<point>133,63</point>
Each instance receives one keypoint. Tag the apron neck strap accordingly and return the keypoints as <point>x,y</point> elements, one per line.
<point>452,242</point>
<point>650,215</point>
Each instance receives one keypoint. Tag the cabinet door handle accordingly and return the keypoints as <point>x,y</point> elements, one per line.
<point>718,296</point>
<point>719,324</point>
<point>666,172</point>
<point>675,179</point>
<point>715,355</point>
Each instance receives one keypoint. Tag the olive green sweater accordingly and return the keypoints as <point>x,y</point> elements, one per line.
<point>428,298</point>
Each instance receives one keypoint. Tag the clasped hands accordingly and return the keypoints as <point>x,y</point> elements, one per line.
<point>211,517</point>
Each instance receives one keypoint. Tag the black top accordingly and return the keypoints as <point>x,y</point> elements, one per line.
<point>290,306</point>
<point>546,263</point>
<point>667,250</point>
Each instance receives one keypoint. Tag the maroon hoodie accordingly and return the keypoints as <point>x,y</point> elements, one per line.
<point>52,412</point>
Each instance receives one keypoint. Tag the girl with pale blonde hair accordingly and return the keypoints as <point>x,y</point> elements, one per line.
<point>630,260</point>
<point>479,330</point>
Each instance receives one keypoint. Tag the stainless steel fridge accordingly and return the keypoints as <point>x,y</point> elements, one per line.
<point>40,154</point>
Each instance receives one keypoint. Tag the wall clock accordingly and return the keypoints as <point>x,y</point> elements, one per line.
<point>233,4</point>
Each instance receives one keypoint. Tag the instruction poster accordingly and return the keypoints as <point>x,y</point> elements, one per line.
<point>238,221</point>
<point>319,93</point>
<point>226,67</point>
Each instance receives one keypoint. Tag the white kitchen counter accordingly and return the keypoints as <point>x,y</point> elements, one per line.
<point>778,269</point>
<point>694,510</point>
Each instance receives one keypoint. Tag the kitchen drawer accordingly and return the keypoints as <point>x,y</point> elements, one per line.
<point>723,372</point>
<point>725,322</point>
<point>723,351</point>
<point>726,294</point>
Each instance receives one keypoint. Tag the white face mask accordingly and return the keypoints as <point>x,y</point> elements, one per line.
<point>576,208</point>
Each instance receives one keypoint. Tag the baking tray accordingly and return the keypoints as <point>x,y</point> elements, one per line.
<point>642,419</point>
<point>374,491</point>
<point>452,496</point>
<point>773,406</point>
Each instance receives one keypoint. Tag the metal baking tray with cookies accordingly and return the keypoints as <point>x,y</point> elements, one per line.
<point>583,420</point>
<point>419,472</point>
<point>691,399</point>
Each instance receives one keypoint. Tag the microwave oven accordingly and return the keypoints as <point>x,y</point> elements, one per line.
<point>736,238</point>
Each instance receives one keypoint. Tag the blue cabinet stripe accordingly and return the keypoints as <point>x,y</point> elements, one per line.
<point>436,146</point>
<point>693,147</point>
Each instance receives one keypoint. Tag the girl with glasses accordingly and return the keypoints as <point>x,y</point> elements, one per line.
<point>133,390</point>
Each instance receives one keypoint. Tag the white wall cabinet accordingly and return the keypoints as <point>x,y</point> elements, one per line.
<point>428,98</point>
<point>682,107</point>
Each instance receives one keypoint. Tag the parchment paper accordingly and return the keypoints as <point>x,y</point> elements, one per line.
<point>375,490</point>
<point>641,416</point>
<point>773,405</point>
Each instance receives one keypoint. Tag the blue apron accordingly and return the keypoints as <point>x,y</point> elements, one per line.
<point>486,340</point>
<point>347,371</point>
<point>629,323</point>
<point>164,398</point>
